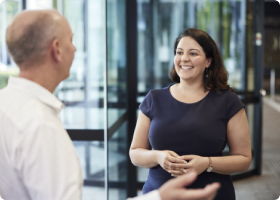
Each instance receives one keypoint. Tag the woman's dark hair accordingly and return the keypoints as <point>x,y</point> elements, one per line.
<point>217,73</point>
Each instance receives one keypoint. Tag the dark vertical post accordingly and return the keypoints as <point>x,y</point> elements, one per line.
<point>258,69</point>
<point>131,56</point>
<point>23,4</point>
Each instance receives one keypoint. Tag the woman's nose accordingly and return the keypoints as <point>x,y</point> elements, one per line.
<point>185,57</point>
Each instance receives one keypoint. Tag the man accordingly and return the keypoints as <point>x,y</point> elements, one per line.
<point>38,160</point>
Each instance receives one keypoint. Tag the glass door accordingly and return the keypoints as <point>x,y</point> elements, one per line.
<point>116,100</point>
<point>83,93</point>
<point>95,94</point>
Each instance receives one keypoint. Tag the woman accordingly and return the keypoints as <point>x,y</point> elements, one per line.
<point>187,125</point>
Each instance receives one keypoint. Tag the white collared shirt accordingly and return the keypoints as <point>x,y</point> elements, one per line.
<point>37,158</point>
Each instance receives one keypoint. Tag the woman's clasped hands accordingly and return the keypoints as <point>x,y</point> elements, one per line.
<point>178,165</point>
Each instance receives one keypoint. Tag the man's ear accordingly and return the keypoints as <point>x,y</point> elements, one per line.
<point>56,50</point>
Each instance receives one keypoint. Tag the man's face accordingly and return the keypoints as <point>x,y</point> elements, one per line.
<point>68,49</point>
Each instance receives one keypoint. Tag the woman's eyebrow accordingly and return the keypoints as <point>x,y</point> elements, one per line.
<point>189,50</point>
<point>195,49</point>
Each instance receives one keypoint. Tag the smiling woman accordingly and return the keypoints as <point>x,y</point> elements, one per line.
<point>190,61</point>
<point>215,74</point>
<point>187,125</point>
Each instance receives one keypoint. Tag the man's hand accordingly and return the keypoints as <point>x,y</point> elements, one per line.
<point>175,189</point>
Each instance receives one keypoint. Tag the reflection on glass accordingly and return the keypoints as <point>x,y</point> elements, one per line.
<point>91,158</point>
<point>8,9</point>
<point>116,58</point>
<point>82,92</point>
<point>161,21</point>
<point>92,167</point>
<point>75,117</point>
<point>117,164</point>
<point>116,87</point>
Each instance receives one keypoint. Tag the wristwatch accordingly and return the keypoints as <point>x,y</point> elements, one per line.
<point>209,169</point>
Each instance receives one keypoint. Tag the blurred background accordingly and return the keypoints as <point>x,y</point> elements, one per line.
<point>125,49</point>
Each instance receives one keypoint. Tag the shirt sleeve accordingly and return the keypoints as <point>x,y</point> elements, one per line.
<point>1,195</point>
<point>48,164</point>
<point>146,105</point>
<point>154,195</point>
<point>234,104</point>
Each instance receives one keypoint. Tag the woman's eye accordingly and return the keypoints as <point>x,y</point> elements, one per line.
<point>193,54</point>
<point>179,52</point>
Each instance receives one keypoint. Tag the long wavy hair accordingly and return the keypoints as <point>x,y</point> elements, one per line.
<point>217,73</point>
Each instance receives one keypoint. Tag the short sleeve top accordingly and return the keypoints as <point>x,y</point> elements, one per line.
<point>197,128</point>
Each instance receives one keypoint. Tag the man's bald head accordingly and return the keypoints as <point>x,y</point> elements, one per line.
<point>30,34</point>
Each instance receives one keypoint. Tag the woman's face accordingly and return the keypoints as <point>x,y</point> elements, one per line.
<point>190,60</point>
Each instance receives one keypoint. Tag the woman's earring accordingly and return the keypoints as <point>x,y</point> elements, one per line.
<point>206,72</point>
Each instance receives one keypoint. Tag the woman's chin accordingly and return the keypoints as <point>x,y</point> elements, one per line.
<point>190,79</point>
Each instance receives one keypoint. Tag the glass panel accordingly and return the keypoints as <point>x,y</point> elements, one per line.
<point>271,80</point>
<point>116,90</point>
<point>116,59</point>
<point>117,162</point>
<point>91,158</point>
<point>82,92</point>
<point>8,9</point>
<point>161,21</point>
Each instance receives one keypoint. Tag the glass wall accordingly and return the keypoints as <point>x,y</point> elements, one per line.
<point>116,99</point>
<point>100,63</point>
<point>82,92</point>
<point>272,50</point>
<point>161,21</point>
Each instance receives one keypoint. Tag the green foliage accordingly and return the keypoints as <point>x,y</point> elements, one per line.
<point>4,75</point>
<point>3,81</point>
<point>55,4</point>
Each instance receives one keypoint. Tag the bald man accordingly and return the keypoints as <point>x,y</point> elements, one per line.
<point>37,158</point>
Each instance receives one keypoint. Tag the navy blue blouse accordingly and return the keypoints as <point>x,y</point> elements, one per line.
<point>197,128</point>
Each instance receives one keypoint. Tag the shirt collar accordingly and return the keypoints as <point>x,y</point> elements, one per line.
<point>35,90</point>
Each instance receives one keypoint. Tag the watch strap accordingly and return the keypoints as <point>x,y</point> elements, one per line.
<point>209,169</point>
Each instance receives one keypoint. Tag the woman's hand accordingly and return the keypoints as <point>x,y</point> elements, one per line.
<point>196,163</point>
<point>170,161</point>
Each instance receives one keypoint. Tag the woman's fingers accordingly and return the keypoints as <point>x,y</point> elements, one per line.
<point>174,154</point>
<point>179,166</point>
<point>176,160</point>
<point>187,157</point>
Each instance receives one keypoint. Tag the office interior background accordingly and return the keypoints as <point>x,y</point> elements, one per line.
<point>125,49</point>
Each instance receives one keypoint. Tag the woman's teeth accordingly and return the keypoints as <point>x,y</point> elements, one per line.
<point>186,67</point>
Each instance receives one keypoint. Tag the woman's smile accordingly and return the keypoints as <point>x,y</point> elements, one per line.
<point>186,67</point>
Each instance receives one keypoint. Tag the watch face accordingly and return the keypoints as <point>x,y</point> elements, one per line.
<point>209,169</point>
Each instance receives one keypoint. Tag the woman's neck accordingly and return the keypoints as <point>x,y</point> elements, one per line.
<point>185,87</point>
